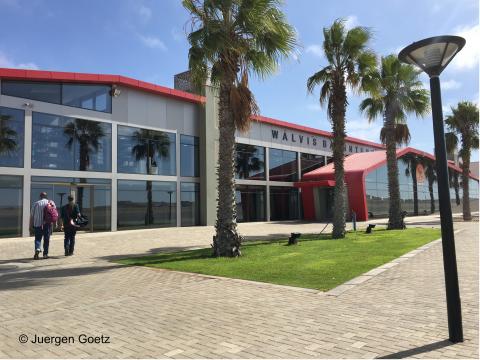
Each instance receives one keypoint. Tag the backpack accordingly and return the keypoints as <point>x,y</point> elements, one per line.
<point>50,213</point>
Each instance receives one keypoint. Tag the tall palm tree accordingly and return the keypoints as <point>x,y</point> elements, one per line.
<point>229,40</point>
<point>149,143</point>
<point>411,161</point>
<point>462,125</point>
<point>8,136</point>
<point>397,92</point>
<point>87,134</point>
<point>349,63</point>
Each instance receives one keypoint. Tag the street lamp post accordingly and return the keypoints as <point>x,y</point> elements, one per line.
<point>432,55</point>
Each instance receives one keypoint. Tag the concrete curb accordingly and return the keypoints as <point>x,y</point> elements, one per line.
<point>350,284</point>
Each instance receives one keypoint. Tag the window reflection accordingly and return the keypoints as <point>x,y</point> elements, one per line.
<point>283,165</point>
<point>250,203</point>
<point>310,162</point>
<point>249,162</point>
<point>190,202</point>
<point>284,203</point>
<point>146,204</point>
<point>189,156</point>
<point>11,204</point>
<point>64,143</point>
<point>143,151</point>
<point>12,132</point>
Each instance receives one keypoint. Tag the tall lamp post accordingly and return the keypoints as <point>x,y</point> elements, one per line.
<point>433,55</point>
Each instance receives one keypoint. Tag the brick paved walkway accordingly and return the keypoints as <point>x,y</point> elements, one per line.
<point>158,313</point>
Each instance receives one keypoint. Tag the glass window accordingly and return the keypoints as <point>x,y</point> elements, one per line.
<point>250,203</point>
<point>311,162</point>
<point>146,204</point>
<point>64,143</point>
<point>12,132</point>
<point>283,165</point>
<point>189,156</point>
<point>142,151</point>
<point>41,91</point>
<point>92,97</point>
<point>249,162</point>
<point>284,204</point>
<point>11,205</point>
<point>190,202</point>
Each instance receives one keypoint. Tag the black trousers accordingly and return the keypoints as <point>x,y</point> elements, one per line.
<point>69,241</point>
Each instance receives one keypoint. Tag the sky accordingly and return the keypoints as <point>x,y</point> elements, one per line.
<point>146,40</point>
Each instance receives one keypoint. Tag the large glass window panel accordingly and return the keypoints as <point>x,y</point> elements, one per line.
<point>282,165</point>
<point>92,97</point>
<point>250,203</point>
<point>310,162</point>
<point>189,156</point>
<point>143,151</point>
<point>190,202</point>
<point>284,203</point>
<point>146,204</point>
<point>65,143</point>
<point>41,91</point>
<point>249,162</point>
<point>12,133</point>
<point>11,204</point>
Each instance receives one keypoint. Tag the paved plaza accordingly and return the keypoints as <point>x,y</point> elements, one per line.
<point>148,313</point>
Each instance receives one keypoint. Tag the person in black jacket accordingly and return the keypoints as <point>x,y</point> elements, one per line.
<point>69,214</point>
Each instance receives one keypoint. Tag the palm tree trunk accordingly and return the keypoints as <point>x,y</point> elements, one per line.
<point>467,215</point>
<point>149,215</point>
<point>456,187</point>
<point>395,219</point>
<point>432,198</point>
<point>339,192</point>
<point>226,242</point>
<point>82,167</point>
<point>415,188</point>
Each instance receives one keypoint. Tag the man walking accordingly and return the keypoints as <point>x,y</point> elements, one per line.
<point>69,213</point>
<point>42,216</point>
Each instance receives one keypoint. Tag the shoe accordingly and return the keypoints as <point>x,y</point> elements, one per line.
<point>35,257</point>
<point>45,256</point>
<point>67,253</point>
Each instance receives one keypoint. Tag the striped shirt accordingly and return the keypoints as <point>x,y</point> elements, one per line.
<point>37,211</point>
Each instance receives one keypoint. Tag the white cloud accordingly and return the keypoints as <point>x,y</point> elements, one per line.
<point>153,42</point>
<point>314,107</point>
<point>177,34</point>
<point>446,85</point>
<point>6,62</point>
<point>145,13</point>
<point>364,130</point>
<point>315,49</point>
<point>351,21</point>
<point>468,57</point>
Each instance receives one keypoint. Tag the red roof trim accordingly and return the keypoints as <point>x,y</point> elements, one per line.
<point>311,130</point>
<point>60,76</point>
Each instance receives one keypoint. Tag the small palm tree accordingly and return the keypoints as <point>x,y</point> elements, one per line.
<point>349,63</point>
<point>8,136</point>
<point>397,91</point>
<point>462,125</point>
<point>87,134</point>
<point>231,39</point>
<point>148,144</point>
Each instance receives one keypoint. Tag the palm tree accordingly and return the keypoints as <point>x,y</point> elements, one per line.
<point>246,160</point>
<point>149,143</point>
<point>349,63</point>
<point>431,175</point>
<point>453,181</point>
<point>87,134</point>
<point>462,125</point>
<point>231,39</point>
<point>411,161</point>
<point>8,136</point>
<point>397,92</point>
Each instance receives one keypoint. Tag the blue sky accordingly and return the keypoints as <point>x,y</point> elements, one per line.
<point>145,39</point>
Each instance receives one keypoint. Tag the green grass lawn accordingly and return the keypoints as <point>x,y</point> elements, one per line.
<point>317,262</point>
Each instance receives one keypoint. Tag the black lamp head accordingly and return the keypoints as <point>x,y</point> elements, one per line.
<point>433,54</point>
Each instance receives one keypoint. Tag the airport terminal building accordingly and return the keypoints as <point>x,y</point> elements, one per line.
<point>138,155</point>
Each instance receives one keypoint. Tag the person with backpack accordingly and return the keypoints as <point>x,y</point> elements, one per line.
<point>70,213</point>
<point>42,217</point>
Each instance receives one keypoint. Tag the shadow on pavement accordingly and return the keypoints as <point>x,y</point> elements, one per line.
<point>34,277</point>
<point>418,350</point>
